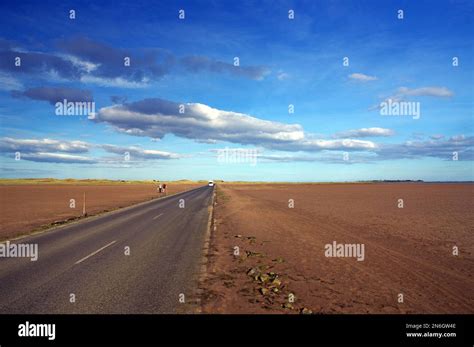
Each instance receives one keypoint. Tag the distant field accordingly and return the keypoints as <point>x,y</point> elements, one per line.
<point>28,205</point>
<point>407,250</point>
<point>16,181</point>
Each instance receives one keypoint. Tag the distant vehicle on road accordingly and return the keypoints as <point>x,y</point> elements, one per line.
<point>211,184</point>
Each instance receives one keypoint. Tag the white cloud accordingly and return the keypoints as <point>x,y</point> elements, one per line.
<point>325,156</point>
<point>8,144</point>
<point>281,75</point>
<point>140,153</point>
<point>439,92</point>
<point>8,82</point>
<point>362,77</point>
<point>116,82</point>
<point>458,138</point>
<point>438,148</point>
<point>83,65</point>
<point>156,117</point>
<point>403,93</point>
<point>47,150</point>
<point>316,145</point>
<point>57,158</point>
<point>365,132</point>
<point>60,151</point>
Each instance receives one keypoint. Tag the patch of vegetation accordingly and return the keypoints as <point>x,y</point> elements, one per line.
<point>221,196</point>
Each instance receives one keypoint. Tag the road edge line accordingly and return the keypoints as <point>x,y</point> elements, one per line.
<point>211,226</point>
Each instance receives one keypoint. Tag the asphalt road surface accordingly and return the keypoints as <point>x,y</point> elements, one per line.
<point>87,261</point>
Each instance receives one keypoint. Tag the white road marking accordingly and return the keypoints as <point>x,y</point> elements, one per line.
<point>94,253</point>
<point>157,216</point>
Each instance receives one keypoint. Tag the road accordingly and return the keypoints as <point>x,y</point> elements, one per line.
<point>87,261</point>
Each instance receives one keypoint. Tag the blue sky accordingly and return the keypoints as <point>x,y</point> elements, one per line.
<point>337,131</point>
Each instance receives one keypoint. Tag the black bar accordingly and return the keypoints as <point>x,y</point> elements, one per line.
<point>226,329</point>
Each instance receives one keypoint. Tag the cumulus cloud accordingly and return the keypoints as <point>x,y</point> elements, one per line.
<point>115,82</point>
<point>35,63</point>
<point>157,117</point>
<point>57,158</point>
<point>47,150</point>
<point>201,63</point>
<point>319,144</point>
<point>365,132</point>
<point>60,151</point>
<point>88,61</point>
<point>54,95</point>
<point>362,77</point>
<point>438,148</point>
<point>8,144</point>
<point>107,62</point>
<point>140,153</point>
<point>326,156</point>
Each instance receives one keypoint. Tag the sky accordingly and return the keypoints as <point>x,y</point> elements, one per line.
<point>237,90</point>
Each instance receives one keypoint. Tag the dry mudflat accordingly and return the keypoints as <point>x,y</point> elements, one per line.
<point>408,265</point>
<point>29,207</point>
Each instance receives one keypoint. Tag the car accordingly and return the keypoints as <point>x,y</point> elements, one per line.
<point>211,184</point>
